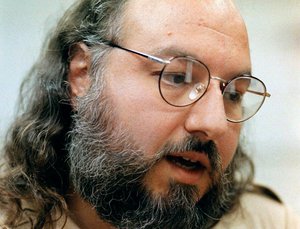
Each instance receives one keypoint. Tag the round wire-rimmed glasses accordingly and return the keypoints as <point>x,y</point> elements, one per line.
<point>184,80</point>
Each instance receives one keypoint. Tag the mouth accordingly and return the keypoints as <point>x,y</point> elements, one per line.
<point>189,167</point>
<point>185,162</point>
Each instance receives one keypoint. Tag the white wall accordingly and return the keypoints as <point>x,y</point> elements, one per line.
<point>23,25</point>
<point>274,30</point>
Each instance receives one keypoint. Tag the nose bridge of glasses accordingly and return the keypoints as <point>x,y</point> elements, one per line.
<point>223,82</point>
<point>219,79</point>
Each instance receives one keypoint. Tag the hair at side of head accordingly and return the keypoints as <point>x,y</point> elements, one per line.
<point>35,169</point>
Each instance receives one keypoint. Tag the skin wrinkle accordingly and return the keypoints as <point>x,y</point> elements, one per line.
<point>203,25</point>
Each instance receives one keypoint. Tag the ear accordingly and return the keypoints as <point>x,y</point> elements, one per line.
<point>78,75</point>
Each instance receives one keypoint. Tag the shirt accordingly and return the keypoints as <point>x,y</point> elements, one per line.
<point>257,211</point>
<point>254,211</point>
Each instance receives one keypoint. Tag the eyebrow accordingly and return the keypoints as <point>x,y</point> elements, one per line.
<point>245,73</point>
<point>171,51</point>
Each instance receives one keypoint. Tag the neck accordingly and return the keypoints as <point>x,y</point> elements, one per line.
<point>83,214</point>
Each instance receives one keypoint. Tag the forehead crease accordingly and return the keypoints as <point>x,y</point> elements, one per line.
<point>213,29</point>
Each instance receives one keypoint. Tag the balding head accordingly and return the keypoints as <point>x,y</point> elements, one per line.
<point>197,26</point>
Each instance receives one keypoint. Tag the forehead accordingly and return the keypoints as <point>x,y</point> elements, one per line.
<point>193,26</point>
<point>216,14</point>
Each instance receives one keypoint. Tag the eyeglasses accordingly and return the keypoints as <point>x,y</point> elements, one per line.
<point>184,80</point>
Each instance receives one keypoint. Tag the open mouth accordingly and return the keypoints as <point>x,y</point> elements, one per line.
<point>185,163</point>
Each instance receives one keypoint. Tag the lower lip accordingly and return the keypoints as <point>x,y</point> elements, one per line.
<point>185,176</point>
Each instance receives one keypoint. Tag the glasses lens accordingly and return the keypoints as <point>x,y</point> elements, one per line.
<point>243,97</point>
<point>183,81</point>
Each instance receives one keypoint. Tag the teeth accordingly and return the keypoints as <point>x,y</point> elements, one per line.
<point>185,162</point>
<point>186,166</point>
<point>187,159</point>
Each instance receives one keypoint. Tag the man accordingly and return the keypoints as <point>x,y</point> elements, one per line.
<point>132,118</point>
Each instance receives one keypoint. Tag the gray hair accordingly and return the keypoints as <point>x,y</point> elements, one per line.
<point>35,147</point>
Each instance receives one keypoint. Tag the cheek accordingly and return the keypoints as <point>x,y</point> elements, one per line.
<point>142,112</point>
<point>229,143</point>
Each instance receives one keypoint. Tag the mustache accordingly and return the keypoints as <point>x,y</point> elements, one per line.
<point>192,143</point>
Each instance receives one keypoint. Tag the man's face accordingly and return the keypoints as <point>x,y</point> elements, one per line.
<point>143,150</point>
<point>209,31</point>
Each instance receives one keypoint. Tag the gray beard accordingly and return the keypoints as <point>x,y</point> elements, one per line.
<point>108,171</point>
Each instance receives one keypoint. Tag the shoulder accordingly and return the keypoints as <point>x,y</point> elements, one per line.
<point>64,222</point>
<point>61,220</point>
<point>260,210</point>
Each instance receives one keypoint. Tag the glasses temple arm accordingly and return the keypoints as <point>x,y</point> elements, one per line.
<point>150,57</point>
<point>260,93</point>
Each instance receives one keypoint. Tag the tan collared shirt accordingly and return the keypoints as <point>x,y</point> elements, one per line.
<point>259,212</point>
<point>254,212</point>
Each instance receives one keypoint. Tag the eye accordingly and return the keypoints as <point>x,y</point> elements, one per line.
<point>233,96</point>
<point>176,79</point>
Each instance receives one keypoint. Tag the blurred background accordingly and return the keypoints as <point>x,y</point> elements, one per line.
<point>274,30</point>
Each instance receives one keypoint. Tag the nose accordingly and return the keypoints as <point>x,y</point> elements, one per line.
<point>207,116</point>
